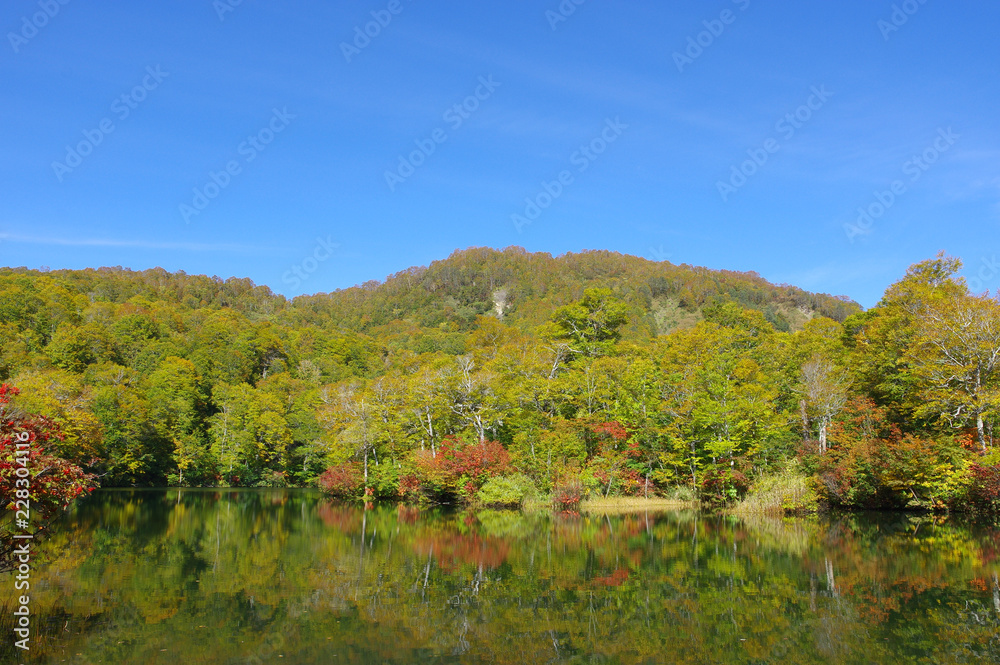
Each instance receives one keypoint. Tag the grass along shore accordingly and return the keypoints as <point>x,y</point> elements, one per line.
<point>633,504</point>
<point>614,504</point>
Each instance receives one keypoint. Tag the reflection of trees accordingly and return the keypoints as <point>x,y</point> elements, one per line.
<point>217,576</point>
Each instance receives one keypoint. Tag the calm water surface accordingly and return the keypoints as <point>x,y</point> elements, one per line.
<point>187,576</point>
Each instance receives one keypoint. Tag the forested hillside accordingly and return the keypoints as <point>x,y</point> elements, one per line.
<point>510,372</point>
<point>524,288</point>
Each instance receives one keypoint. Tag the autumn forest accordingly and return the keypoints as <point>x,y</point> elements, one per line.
<point>500,377</point>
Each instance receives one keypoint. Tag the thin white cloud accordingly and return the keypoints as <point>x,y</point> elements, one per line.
<point>139,244</point>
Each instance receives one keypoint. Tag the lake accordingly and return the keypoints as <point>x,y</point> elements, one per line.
<point>275,576</point>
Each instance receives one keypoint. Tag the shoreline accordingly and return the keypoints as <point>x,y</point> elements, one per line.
<point>635,504</point>
<point>615,505</point>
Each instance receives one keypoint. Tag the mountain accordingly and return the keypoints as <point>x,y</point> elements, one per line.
<point>524,288</point>
<point>430,308</point>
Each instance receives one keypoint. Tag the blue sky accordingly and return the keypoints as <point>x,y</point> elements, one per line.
<point>277,141</point>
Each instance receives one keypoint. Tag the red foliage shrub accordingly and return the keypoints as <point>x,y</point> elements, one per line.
<point>620,462</point>
<point>611,429</point>
<point>459,469</point>
<point>722,485</point>
<point>853,472</point>
<point>409,487</point>
<point>343,481</point>
<point>984,493</point>
<point>566,497</point>
<point>38,483</point>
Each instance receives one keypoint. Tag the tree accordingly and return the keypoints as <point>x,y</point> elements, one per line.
<point>824,391</point>
<point>367,422</point>
<point>956,356</point>
<point>131,452</point>
<point>66,399</point>
<point>348,414</point>
<point>73,348</point>
<point>177,404</point>
<point>473,398</point>
<point>32,479</point>
<point>249,434</point>
<point>299,399</point>
<point>721,394</point>
<point>427,402</point>
<point>878,339</point>
<point>593,323</point>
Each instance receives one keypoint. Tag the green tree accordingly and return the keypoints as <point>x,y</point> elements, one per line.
<point>825,390</point>
<point>956,357</point>
<point>249,435</point>
<point>131,452</point>
<point>592,324</point>
<point>177,404</point>
<point>74,348</point>
<point>722,394</point>
<point>878,340</point>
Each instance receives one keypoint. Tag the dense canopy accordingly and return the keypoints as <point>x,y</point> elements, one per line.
<point>597,371</point>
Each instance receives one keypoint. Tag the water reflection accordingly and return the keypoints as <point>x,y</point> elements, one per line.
<point>285,576</point>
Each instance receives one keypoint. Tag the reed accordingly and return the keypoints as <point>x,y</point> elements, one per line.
<point>632,504</point>
<point>788,492</point>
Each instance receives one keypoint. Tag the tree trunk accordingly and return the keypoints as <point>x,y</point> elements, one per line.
<point>691,461</point>
<point>981,431</point>
<point>822,437</point>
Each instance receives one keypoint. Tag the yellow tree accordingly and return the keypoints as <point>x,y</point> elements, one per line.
<point>249,434</point>
<point>592,324</point>
<point>956,356</point>
<point>68,400</point>
<point>721,392</point>
<point>176,408</point>
<point>824,391</point>
<point>349,416</point>
<point>473,397</point>
<point>427,401</point>
<point>878,340</point>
